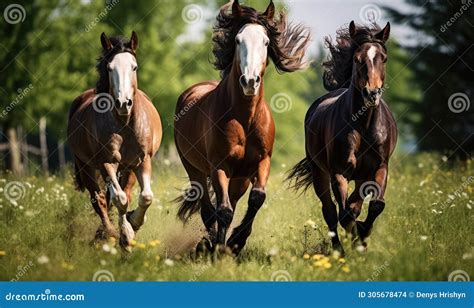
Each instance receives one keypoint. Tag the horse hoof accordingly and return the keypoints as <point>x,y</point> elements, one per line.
<point>362,230</point>
<point>131,219</point>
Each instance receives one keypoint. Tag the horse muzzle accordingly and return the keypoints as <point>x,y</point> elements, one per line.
<point>250,86</point>
<point>372,97</point>
<point>123,108</point>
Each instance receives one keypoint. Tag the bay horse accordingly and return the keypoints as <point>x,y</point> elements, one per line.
<point>350,133</point>
<point>115,130</point>
<point>225,130</point>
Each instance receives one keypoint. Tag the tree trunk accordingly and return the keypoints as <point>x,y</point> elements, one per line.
<point>15,155</point>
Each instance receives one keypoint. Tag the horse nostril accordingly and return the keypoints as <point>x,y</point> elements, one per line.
<point>365,92</point>
<point>258,79</point>
<point>243,81</point>
<point>129,103</point>
<point>117,103</point>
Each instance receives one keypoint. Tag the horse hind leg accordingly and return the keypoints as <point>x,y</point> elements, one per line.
<point>196,198</point>
<point>321,184</point>
<point>89,180</point>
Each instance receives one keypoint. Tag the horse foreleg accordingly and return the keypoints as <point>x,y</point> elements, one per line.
<point>257,197</point>
<point>98,202</point>
<point>376,205</point>
<point>340,186</point>
<point>119,198</point>
<point>143,173</point>
<point>224,211</point>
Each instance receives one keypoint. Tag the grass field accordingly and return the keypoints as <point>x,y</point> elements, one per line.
<point>425,232</point>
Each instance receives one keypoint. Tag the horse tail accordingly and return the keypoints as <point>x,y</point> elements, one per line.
<point>187,207</point>
<point>190,201</point>
<point>300,176</point>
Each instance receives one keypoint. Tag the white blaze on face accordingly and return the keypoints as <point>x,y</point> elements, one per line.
<point>371,53</point>
<point>122,73</point>
<point>252,44</point>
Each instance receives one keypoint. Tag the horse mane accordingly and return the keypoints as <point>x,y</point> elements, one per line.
<point>338,67</point>
<point>119,45</point>
<point>288,42</point>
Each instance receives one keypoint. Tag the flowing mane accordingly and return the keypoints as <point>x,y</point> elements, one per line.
<point>288,42</point>
<point>119,45</point>
<point>338,67</point>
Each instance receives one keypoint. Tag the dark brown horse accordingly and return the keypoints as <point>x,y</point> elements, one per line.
<point>116,130</point>
<point>350,132</point>
<point>224,130</point>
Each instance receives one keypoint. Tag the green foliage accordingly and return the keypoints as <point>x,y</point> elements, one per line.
<point>442,62</point>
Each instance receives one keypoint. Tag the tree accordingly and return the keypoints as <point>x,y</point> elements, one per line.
<point>442,62</point>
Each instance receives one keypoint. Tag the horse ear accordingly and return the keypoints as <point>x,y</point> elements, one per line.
<point>384,34</point>
<point>270,12</point>
<point>352,29</point>
<point>134,41</point>
<point>236,9</point>
<point>104,40</point>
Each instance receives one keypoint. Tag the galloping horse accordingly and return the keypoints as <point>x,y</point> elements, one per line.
<point>224,130</point>
<point>350,132</point>
<point>115,129</point>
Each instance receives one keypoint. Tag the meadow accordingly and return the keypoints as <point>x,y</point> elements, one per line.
<point>425,232</point>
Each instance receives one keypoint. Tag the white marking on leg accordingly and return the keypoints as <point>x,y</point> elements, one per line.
<point>146,197</point>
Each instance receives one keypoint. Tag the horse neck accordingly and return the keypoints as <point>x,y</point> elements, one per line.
<point>243,108</point>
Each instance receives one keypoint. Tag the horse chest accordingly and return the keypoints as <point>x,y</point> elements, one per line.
<point>125,149</point>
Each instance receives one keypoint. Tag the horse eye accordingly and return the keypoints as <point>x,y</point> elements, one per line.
<point>135,68</point>
<point>267,43</point>
<point>109,68</point>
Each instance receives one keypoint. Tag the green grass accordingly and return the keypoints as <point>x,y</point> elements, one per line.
<point>425,232</point>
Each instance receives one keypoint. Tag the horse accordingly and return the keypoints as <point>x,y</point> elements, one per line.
<point>115,130</point>
<point>350,133</point>
<point>224,131</point>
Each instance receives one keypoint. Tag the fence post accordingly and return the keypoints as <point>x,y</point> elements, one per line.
<point>15,159</point>
<point>43,145</point>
